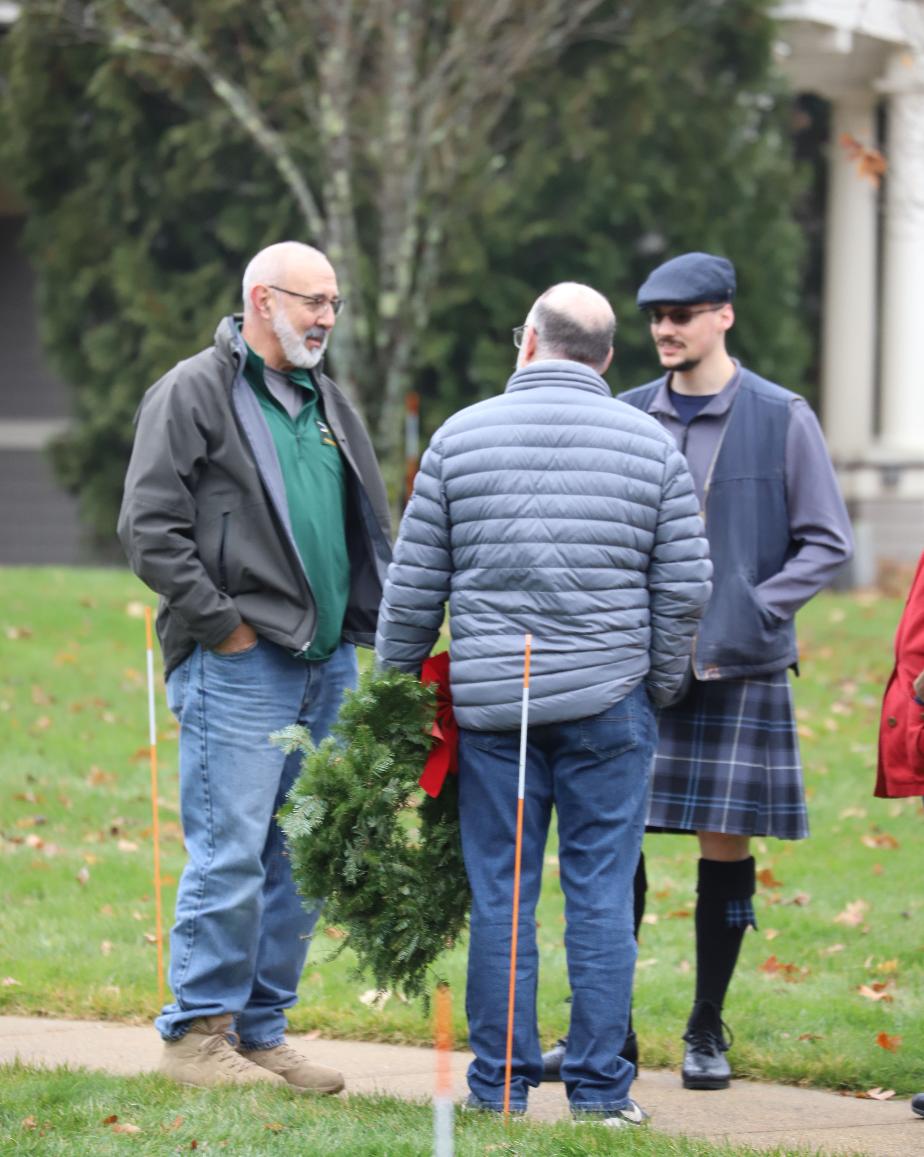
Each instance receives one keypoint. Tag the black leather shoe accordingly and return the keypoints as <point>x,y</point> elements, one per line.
<point>704,1063</point>
<point>551,1060</point>
<point>917,1104</point>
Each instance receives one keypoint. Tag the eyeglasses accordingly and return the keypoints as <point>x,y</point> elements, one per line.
<point>518,332</point>
<point>680,315</point>
<point>316,302</point>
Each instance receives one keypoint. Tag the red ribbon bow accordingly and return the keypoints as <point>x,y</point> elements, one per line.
<point>444,755</point>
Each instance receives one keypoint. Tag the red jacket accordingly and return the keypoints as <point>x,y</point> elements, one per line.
<point>901,728</point>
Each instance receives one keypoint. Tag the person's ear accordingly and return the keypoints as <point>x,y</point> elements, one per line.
<point>530,343</point>
<point>260,299</point>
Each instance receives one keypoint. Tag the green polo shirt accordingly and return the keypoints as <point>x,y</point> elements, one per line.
<point>315,482</point>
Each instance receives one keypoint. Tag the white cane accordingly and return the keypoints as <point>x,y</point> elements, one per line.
<point>517,859</point>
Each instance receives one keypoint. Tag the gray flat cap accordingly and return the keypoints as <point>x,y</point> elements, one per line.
<point>688,279</point>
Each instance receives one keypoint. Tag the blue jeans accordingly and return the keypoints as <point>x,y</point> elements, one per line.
<point>242,933</point>
<point>596,773</point>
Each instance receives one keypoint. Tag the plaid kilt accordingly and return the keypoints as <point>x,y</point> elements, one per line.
<point>728,761</point>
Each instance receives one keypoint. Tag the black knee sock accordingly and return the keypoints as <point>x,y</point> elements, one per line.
<point>723,912</point>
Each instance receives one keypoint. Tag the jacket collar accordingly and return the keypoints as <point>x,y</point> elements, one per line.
<point>231,345</point>
<point>557,372</point>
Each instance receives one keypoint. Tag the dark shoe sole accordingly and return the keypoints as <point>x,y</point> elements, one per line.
<point>705,1083</point>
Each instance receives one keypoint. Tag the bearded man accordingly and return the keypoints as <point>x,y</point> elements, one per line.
<point>255,508</point>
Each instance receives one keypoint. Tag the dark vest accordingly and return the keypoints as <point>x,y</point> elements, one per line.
<point>747,524</point>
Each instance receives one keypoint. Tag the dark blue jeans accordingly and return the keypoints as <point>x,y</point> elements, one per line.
<point>595,772</point>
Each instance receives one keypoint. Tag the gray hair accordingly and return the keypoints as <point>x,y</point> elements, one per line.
<point>573,322</point>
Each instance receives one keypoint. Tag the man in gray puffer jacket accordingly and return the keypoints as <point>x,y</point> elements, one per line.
<point>558,511</point>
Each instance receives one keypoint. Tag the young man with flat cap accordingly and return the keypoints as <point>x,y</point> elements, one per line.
<point>727,765</point>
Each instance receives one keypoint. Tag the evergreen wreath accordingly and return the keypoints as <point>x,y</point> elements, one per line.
<point>388,864</point>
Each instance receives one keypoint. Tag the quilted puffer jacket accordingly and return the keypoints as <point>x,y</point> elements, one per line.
<point>559,511</point>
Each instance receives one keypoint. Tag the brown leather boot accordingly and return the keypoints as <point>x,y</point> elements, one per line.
<point>206,1057</point>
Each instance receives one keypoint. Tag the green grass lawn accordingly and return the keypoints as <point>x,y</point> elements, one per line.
<point>66,1114</point>
<point>834,973</point>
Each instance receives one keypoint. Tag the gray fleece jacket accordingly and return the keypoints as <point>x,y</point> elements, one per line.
<point>559,511</point>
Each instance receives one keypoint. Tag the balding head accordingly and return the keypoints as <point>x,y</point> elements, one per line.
<point>290,305</point>
<point>570,321</point>
<point>281,263</point>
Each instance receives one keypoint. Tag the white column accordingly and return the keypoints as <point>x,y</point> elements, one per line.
<point>849,305</point>
<point>903,265</point>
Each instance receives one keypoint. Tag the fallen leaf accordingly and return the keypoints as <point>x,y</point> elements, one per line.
<point>150,937</point>
<point>105,947</point>
<point>97,776</point>
<point>18,633</point>
<point>334,933</point>
<point>10,982</point>
<point>173,1125</point>
<point>679,914</point>
<point>29,1123</point>
<point>127,1127</point>
<point>887,966</point>
<point>134,610</point>
<point>127,846</point>
<point>650,918</point>
<point>810,1036</point>
<point>832,949</point>
<point>111,1119</point>
<point>890,1043</point>
<point>684,967</point>
<point>274,1126</point>
<point>854,914</point>
<point>875,992</point>
<point>771,934</point>
<point>879,1094</point>
<point>766,877</point>
<point>882,840</point>
<point>83,876</point>
<point>792,973</point>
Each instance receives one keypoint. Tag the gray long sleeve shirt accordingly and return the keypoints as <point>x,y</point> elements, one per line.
<point>818,517</point>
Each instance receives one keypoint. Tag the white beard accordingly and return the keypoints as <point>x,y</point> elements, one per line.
<point>293,344</point>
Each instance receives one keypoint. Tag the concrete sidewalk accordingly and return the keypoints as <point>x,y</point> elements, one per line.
<point>748,1114</point>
